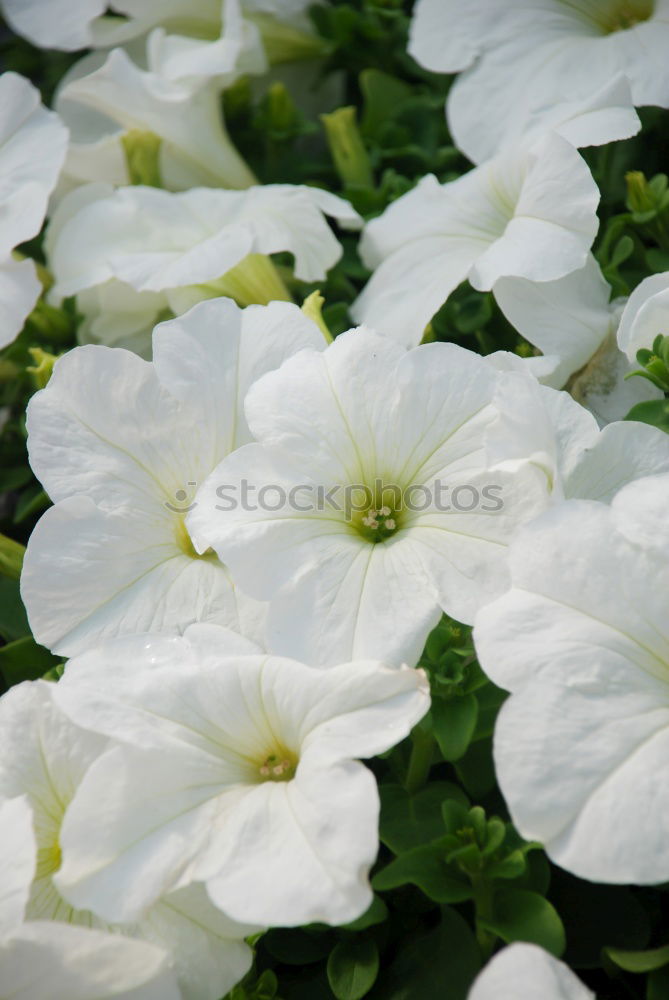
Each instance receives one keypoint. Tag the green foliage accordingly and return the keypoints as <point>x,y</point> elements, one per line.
<point>352,968</point>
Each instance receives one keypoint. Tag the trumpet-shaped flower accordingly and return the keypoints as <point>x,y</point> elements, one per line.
<point>236,764</point>
<point>574,325</point>
<point>119,102</point>
<point>529,213</point>
<point>526,972</point>
<point>120,445</point>
<point>44,759</point>
<point>41,959</point>
<point>185,37</point>
<point>32,151</point>
<point>520,62</point>
<point>582,642</point>
<point>646,315</point>
<point>564,442</point>
<point>380,509</point>
<point>157,241</point>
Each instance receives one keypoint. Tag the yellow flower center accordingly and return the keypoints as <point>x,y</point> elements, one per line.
<point>278,766</point>
<point>617,15</point>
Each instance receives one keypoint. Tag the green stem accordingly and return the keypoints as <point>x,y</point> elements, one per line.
<point>483,902</point>
<point>420,760</point>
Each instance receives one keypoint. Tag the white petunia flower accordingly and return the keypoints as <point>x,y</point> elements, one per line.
<point>55,24</point>
<point>103,107</point>
<point>526,972</point>
<point>121,446</point>
<point>370,426</point>
<point>646,315</point>
<point>157,241</point>
<point>582,642</point>
<point>521,62</point>
<point>185,38</point>
<point>82,964</point>
<point>562,439</point>
<point>44,759</point>
<point>32,151</point>
<point>574,325</point>
<point>239,771</point>
<point>531,212</point>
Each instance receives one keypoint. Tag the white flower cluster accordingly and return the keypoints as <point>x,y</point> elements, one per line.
<point>195,776</point>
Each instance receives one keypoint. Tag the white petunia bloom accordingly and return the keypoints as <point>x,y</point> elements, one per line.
<point>239,771</point>
<point>157,241</point>
<point>531,212</point>
<point>582,642</point>
<point>44,759</point>
<point>121,445</point>
<point>104,106</point>
<point>56,24</point>
<point>646,315</point>
<point>32,151</point>
<point>184,37</point>
<point>563,440</point>
<point>397,437</point>
<point>526,972</point>
<point>520,62</point>
<point>574,325</point>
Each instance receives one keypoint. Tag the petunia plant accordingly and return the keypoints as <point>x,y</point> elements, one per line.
<point>334,476</point>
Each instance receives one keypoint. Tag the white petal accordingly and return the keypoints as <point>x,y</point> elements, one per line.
<point>152,818</point>
<point>45,959</point>
<point>83,441</point>
<point>64,24</point>
<point>210,357</point>
<point>623,452</point>
<point>17,862</point>
<point>195,147</point>
<point>561,55</point>
<point>549,235</point>
<point>317,840</point>
<point>445,36</point>
<point>207,949</point>
<point>581,640</point>
<point>124,573</point>
<point>20,289</point>
<point>525,972</point>
<point>32,151</point>
<point>645,315</point>
<point>569,318</point>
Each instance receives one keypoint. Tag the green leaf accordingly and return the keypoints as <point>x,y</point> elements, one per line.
<point>413,820</point>
<point>426,868</point>
<point>654,412</point>
<point>476,769</point>
<point>383,94</point>
<point>376,914</point>
<point>11,557</point>
<point>13,619</point>
<point>639,961</point>
<point>352,968</point>
<point>24,660</point>
<point>454,722</point>
<point>520,915</point>
<point>623,249</point>
<point>32,501</point>
<point>437,964</point>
